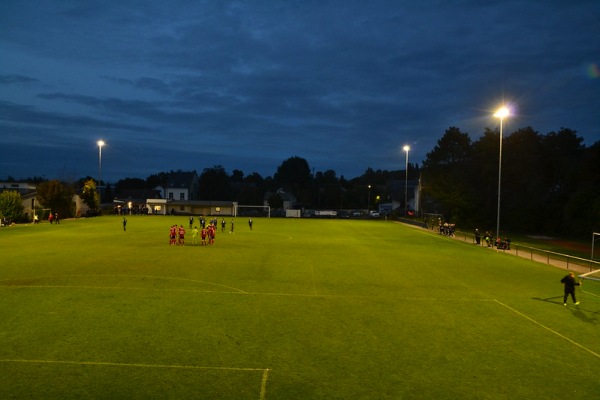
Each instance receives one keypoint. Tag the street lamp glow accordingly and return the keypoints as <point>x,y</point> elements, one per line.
<point>502,113</point>
<point>406,149</point>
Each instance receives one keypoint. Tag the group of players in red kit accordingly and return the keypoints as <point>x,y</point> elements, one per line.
<point>207,235</point>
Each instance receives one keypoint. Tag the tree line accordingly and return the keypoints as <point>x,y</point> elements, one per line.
<point>550,184</point>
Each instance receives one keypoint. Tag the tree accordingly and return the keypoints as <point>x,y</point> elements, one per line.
<point>563,168</point>
<point>275,201</point>
<point>214,184</point>
<point>293,176</point>
<point>11,205</point>
<point>89,195</point>
<point>447,176</point>
<point>582,209</point>
<point>57,196</point>
<point>523,184</point>
<point>126,184</point>
<point>250,190</point>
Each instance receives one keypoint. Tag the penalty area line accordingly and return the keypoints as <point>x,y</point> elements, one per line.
<point>263,383</point>
<point>548,329</point>
<point>111,364</point>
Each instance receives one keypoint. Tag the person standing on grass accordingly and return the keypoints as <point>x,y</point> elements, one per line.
<point>203,234</point>
<point>569,284</point>
<point>181,235</point>
<point>173,235</point>
<point>211,231</point>
<point>124,224</point>
<point>250,223</point>
<point>195,236</point>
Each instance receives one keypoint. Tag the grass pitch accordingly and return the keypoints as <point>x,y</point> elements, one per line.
<point>294,309</point>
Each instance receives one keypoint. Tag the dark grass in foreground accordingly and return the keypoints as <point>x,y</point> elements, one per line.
<point>295,309</point>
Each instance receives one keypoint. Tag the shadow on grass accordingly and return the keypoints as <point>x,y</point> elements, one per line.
<point>550,299</point>
<point>578,311</point>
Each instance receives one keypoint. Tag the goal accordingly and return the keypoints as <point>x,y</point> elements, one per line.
<point>590,284</point>
<point>595,238</point>
<point>251,211</point>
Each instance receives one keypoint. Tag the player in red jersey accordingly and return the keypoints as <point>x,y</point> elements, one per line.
<point>181,235</point>
<point>173,235</point>
<point>203,234</point>
<point>211,234</point>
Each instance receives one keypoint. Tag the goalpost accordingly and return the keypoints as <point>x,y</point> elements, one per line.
<point>249,210</point>
<point>592,284</point>
<point>595,237</point>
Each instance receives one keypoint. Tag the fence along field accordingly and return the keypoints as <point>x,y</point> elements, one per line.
<point>293,309</point>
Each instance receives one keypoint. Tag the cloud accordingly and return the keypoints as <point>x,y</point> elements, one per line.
<point>344,84</point>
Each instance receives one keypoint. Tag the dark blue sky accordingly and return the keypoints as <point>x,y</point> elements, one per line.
<point>247,84</point>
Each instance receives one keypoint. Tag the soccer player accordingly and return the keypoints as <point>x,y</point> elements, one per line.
<point>181,235</point>
<point>211,234</point>
<point>173,235</point>
<point>195,236</point>
<point>569,284</point>
<point>250,223</point>
<point>203,234</point>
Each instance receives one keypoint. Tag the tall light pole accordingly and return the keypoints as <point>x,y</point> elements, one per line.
<point>369,200</point>
<point>502,113</point>
<point>100,143</point>
<point>406,149</point>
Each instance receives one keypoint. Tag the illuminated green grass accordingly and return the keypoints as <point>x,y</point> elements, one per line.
<point>295,309</point>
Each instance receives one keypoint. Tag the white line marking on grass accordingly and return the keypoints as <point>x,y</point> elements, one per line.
<point>110,364</point>
<point>548,329</point>
<point>122,288</point>
<point>263,383</point>
<point>120,276</point>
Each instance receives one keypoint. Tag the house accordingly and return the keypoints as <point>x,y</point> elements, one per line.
<point>27,192</point>
<point>289,201</point>
<point>180,186</point>
<point>179,196</point>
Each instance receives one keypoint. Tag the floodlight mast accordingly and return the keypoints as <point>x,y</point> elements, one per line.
<point>100,143</point>
<point>406,149</point>
<point>502,113</point>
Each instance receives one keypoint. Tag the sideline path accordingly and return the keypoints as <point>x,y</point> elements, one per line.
<point>573,263</point>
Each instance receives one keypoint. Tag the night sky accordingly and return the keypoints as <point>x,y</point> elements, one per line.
<point>188,85</point>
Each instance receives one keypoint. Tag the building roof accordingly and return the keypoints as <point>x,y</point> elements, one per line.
<point>181,180</point>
